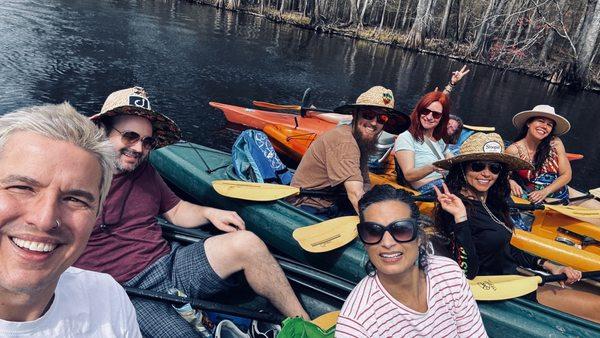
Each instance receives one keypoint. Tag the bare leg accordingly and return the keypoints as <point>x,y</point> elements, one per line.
<point>582,301</point>
<point>243,250</point>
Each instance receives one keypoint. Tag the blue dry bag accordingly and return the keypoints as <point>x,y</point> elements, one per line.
<point>255,160</point>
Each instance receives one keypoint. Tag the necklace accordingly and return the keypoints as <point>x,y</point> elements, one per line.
<point>493,217</point>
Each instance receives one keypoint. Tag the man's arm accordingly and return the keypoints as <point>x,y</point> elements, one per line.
<point>189,215</point>
<point>355,190</point>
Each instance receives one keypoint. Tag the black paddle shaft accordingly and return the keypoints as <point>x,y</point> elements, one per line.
<point>562,276</point>
<point>205,305</point>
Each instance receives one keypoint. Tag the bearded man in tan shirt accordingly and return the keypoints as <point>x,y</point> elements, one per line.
<point>337,162</point>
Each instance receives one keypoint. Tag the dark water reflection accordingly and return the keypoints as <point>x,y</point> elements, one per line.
<point>187,55</point>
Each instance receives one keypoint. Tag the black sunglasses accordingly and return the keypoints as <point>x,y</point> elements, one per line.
<point>382,118</point>
<point>436,114</point>
<point>403,230</point>
<point>130,138</point>
<point>494,167</point>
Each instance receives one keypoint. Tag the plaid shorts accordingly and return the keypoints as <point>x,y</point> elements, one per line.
<point>185,268</point>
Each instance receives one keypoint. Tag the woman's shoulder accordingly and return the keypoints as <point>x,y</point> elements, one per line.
<point>440,267</point>
<point>360,296</point>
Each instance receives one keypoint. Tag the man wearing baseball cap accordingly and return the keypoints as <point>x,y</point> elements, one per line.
<point>127,241</point>
<point>337,162</point>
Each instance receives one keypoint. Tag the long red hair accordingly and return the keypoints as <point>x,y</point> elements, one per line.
<point>441,130</point>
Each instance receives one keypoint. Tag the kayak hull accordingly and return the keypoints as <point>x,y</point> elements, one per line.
<point>258,119</point>
<point>274,222</point>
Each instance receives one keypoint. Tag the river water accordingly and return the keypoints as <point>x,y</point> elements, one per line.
<point>186,55</point>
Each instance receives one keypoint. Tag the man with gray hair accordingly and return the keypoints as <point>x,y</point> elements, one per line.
<point>55,171</point>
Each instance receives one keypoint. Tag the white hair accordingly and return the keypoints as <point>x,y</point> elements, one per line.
<point>62,122</point>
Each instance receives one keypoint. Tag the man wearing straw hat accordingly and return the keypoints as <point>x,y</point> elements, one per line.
<point>127,241</point>
<point>337,162</point>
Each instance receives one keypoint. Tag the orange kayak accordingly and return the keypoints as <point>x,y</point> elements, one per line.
<point>258,119</point>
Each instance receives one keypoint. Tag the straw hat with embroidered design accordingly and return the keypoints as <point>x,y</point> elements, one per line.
<point>484,147</point>
<point>380,98</point>
<point>134,101</point>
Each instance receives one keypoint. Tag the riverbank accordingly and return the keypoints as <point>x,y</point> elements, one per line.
<point>552,71</point>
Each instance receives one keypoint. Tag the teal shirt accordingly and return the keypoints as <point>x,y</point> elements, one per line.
<point>423,154</point>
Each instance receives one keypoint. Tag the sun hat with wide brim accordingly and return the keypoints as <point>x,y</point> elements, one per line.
<point>134,101</point>
<point>380,98</point>
<point>484,147</point>
<point>562,125</point>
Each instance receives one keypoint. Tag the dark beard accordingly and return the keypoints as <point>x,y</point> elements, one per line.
<point>366,147</point>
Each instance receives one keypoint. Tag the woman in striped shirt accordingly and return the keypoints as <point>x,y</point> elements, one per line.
<point>407,292</point>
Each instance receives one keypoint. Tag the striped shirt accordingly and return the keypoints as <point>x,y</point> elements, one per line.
<point>370,311</point>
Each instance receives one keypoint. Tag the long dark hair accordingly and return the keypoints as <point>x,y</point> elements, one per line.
<point>497,197</point>
<point>386,192</point>
<point>543,149</point>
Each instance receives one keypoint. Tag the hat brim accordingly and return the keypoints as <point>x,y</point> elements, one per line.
<point>562,125</point>
<point>511,162</point>
<point>164,129</point>
<point>398,123</point>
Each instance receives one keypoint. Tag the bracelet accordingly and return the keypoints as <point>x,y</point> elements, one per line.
<point>449,87</point>
<point>541,261</point>
<point>461,219</point>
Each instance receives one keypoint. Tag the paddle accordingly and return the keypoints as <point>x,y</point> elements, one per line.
<point>205,305</point>
<point>480,128</point>
<point>327,235</point>
<point>513,286</point>
<point>275,106</point>
<point>262,192</point>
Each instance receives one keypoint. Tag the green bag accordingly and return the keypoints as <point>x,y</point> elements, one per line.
<point>299,328</point>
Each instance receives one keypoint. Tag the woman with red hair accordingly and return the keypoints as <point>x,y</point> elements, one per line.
<point>423,143</point>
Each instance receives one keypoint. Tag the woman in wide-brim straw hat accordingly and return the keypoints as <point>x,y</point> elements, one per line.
<point>473,213</point>
<point>538,144</point>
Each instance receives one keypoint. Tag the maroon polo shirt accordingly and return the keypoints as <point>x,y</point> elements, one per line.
<point>127,238</point>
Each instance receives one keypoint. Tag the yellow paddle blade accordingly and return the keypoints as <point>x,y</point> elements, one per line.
<point>503,287</point>
<point>479,128</point>
<point>326,321</point>
<point>327,235</point>
<point>595,192</point>
<point>575,211</point>
<point>270,105</point>
<point>251,191</point>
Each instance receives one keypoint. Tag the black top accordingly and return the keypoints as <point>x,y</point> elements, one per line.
<point>482,247</point>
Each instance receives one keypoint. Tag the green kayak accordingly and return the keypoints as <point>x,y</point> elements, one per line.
<point>191,168</point>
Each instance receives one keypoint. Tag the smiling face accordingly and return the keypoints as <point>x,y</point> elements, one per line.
<point>452,126</point>
<point>129,157</point>
<point>388,256</point>
<point>540,127</point>
<point>42,181</point>
<point>480,181</point>
<point>369,130</point>
<point>428,121</point>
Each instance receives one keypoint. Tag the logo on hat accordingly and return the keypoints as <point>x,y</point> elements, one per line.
<point>492,147</point>
<point>139,101</point>
<point>387,98</point>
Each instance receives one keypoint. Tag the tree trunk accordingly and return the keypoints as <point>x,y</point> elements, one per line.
<point>480,36</point>
<point>583,23</point>
<point>383,14</point>
<point>362,14</point>
<point>588,45</point>
<point>405,15</point>
<point>445,19</point>
<point>396,16</point>
<point>353,11</point>
<point>548,43</point>
<point>418,29</point>
<point>282,7</point>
